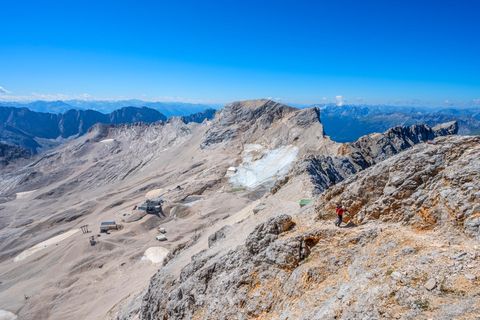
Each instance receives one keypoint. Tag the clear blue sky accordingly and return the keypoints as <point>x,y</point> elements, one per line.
<point>381,51</point>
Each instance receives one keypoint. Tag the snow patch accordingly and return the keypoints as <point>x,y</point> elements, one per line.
<point>44,244</point>
<point>107,140</point>
<point>192,203</point>
<point>261,166</point>
<point>231,171</point>
<point>23,195</point>
<point>7,315</point>
<point>155,254</point>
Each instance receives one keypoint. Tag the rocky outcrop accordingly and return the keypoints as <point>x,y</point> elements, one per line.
<point>218,236</point>
<point>427,186</point>
<point>325,171</point>
<point>9,153</point>
<point>267,232</point>
<point>224,287</point>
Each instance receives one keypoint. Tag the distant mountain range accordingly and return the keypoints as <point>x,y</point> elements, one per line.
<point>29,131</point>
<point>167,108</point>
<point>348,123</point>
<point>199,117</point>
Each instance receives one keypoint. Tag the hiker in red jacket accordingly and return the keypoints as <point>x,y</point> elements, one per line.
<point>340,211</point>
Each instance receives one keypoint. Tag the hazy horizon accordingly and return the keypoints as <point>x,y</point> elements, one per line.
<point>135,102</point>
<point>371,52</point>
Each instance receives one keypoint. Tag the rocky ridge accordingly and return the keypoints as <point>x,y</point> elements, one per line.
<point>26,128</point>
<point>431,185</point>
<point>327,170</point>
<point>350,122</point>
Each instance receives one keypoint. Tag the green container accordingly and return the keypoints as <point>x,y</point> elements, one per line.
<point>304,202</point>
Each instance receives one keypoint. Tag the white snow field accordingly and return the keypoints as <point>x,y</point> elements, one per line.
<point>7,315</point>
<point>107,140</point>
<point>155,254</point>
<point>44,244</point>
<point>23,195</point>
<point>261,166</point>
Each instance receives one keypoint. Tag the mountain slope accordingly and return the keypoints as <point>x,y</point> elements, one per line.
<point>411,256</point>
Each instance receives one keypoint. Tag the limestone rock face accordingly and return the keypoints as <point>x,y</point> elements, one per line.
<point>428,185</point>
<point>267,232</point>
<point>221,287</point>
<point>327,170</point>
<point>267,122</point>
<point>238,117</point>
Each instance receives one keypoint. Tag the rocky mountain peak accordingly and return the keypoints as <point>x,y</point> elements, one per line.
<point>270,122</point>
<point>263,111</point>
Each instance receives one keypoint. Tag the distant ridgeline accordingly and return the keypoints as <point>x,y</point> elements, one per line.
<point>348,123</point>
<point>24,132</point>
<point>169,109</point>
<point>199,117</point>
<point>23,127</point>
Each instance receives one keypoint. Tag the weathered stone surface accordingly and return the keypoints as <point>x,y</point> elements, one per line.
<point>430,284</point>
<point>268,232</point>
<point>218,236</point>
<point>221,287</point>
<point>325,171</point>
<point>259,207</point>
<point>244,116</point>
<point>426,186</point>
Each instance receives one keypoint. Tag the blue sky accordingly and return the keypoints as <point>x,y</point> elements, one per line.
<point>399,52</point>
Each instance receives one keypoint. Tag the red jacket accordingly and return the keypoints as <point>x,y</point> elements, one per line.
<point>340,211</point>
